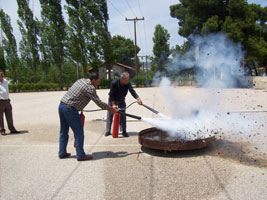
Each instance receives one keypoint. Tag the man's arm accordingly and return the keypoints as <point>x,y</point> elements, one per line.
<point>112,93</point>
<point>100,103</point>
<point>134,94</point>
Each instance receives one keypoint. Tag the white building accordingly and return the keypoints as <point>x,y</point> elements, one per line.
<point>116,71</point>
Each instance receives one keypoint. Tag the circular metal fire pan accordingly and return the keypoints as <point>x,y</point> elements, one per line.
<point>145,138</point>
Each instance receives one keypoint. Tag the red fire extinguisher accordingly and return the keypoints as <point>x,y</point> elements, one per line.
<point>116,122</point>
<point>83,119</point>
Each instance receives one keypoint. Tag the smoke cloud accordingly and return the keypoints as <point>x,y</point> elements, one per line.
<point>218,63</point>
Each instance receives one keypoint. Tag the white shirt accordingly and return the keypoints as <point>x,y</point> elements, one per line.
<point>4,90</point>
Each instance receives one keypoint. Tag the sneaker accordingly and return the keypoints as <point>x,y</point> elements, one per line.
<point>107,134</point>
<point>125,134</point>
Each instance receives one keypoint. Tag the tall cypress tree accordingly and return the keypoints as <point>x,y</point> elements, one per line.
<point>29,30</point>
<point>54,32</point>
<point>9,46</point>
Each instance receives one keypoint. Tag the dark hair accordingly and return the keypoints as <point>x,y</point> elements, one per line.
<point>93,76</point>
<point>1,70</point>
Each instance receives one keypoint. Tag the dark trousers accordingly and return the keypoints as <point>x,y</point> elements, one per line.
<point>5,107</point>
<point>122,106</point>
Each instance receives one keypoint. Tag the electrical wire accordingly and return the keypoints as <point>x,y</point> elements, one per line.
<point>116,9</point>
<point>131,8</point>
<point>144,26</point>
<point>140,7</point>
<point>121,15</point>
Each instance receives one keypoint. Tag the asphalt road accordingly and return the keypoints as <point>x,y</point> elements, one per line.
<point>233,167</point>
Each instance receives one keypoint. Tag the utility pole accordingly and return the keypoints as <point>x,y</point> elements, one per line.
<point>136,61</point>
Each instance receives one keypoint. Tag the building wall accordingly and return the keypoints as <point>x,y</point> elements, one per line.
<point>115,72</point>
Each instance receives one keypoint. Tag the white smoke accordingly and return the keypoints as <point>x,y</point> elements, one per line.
<point>218,61</point>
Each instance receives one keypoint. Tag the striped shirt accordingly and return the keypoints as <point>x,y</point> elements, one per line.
<point>81,93</point>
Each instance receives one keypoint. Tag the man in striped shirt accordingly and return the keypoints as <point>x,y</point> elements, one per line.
<point>77,97</point>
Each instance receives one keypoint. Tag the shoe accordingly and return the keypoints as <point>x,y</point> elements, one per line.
<point>3,132</point>
<point>15,131</point>
<point>125,134</point>
<point>87,157</point>
<point>107,134</point>
<point>66,155</point>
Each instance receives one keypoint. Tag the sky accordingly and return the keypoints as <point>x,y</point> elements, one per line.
<point>154,12</point>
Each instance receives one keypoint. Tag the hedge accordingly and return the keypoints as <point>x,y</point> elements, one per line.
<point>30,87</point>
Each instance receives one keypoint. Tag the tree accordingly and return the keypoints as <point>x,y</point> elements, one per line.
<point>29,31</point>
<point>161,48</point>
<point>53,32</point>
<point>107,45</point>
<point>9,45</point>
<point>124,50</point>
<point>88,36</point>
<point>242,22</point>
<point>2,59</point>
<point>180,50</point>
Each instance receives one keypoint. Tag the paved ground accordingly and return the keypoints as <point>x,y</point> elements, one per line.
<point>231,168</point>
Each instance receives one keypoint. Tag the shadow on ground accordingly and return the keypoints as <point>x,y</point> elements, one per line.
<point>111,154</point>
<point>20,132</point>
<point>234,151</point>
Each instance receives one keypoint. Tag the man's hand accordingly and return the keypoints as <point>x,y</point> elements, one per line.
<point>115,106</point>
<point>113,109</point>
<point>139,101</point>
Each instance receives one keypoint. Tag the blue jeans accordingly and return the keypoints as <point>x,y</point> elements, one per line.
<point>69,117</point>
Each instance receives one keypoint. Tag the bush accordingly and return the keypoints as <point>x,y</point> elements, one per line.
<point>33,87</point>
<point>104,83</point>
<point>143,79</point>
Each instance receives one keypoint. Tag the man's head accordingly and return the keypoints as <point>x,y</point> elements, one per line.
<point>1,75</point>
<point>124,80</point>
<point>95,79</point>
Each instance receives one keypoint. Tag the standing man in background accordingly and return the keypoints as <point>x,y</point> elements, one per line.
<point>5,106</point>
<point>118,91</point>
<point>77,97</point>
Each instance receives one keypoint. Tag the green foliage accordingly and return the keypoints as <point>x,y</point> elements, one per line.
<point>2,59</point>
<point>124,50</point>
<point>211,25</point>
<point>33,87</point>
<point>144,79</point>
<point>29,30</point>
<point>88,36</point>
<point>180,50</point>
<point>242,22</point>
<point>161,48</point>
<point>9,45</point>
<point>53,32</point>
<point>104,83</point>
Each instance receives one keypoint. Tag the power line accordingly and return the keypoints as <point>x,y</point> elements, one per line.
<point>140,7</point>
<point>143,25</point>
<point>131,8</point>
<point>121,15</point>
<point>129,30</point>
<point>136,61</point>
<point>116,9</point>
<point>141,41</point>
<point>145,35</point>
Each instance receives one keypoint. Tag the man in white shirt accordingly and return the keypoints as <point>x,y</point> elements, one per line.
<point>5,106</point>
